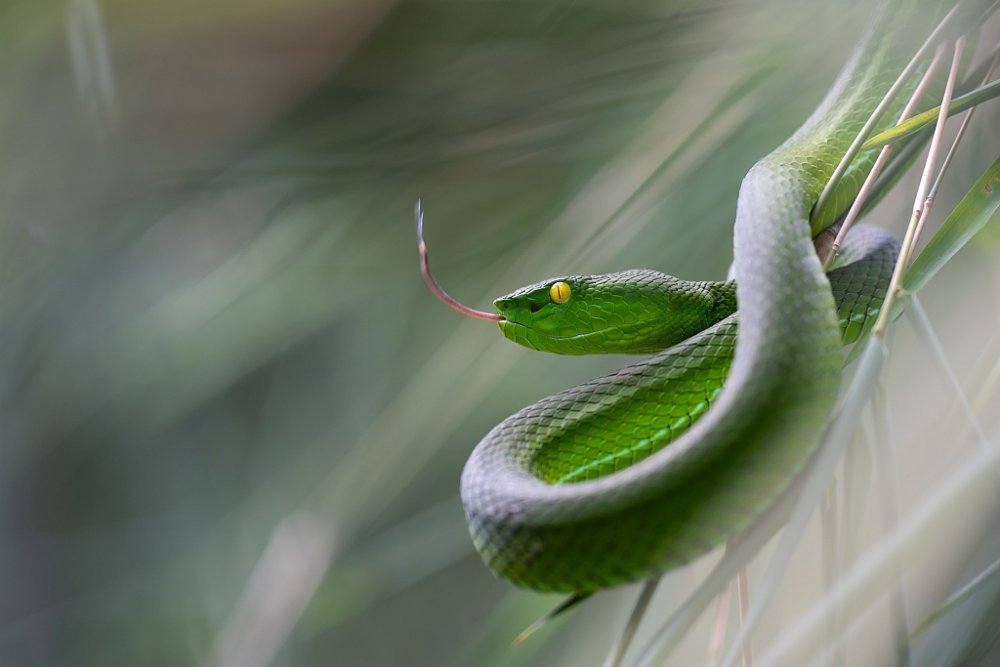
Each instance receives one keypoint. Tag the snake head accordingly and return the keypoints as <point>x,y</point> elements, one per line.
<point>630,312</point>
<point>551,316</point>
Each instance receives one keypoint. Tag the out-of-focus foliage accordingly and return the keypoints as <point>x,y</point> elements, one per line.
<point>233,419</point>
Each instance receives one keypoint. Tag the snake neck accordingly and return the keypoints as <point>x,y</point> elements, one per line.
<point>890,38</point>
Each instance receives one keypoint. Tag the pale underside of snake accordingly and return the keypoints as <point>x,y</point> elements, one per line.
<point>649,467</point>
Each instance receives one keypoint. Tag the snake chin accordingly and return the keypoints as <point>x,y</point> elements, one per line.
<point>530,337</point>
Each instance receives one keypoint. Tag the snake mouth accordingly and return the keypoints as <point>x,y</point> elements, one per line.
<point>519,332</point>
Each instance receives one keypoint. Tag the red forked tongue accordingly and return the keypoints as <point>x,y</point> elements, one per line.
<point>425,269</point>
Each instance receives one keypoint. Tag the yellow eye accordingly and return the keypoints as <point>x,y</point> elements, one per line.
<point>559,292</point>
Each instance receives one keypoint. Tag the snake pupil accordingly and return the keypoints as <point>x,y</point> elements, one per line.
<point>559,292</point>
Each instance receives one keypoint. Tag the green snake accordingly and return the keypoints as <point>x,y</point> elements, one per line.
<point>654,465</point>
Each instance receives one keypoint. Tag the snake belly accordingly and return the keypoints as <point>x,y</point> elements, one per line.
<point>652,478</point>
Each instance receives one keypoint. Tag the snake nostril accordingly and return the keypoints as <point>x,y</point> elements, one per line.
<point>502,304</point>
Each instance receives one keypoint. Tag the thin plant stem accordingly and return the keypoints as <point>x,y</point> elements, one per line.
<point>857,483</point>
<point>987,367</point>
<point>928,520</point>
<point>923,327</point>
<point>618,651</point>
<point>910,240</point>
<point>929,199</point>
<point>831,448</point>
<point>883,157</point>
<point>889,491</point>
<point>951,153</point>
<point>989,386</point>
<point>718,637</point>
<point>959,596</point>
<point>743,596</point>
<point>738,552</point>
<point>831,556</point>
<point>869,125</point>
<point>562,607</point>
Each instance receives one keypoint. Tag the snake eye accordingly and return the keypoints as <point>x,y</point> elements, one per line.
<point>560,292</point>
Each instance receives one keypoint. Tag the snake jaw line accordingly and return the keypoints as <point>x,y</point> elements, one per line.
<point>519,333</point>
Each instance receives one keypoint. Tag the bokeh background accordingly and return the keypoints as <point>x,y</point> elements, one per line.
<point>233,418</point>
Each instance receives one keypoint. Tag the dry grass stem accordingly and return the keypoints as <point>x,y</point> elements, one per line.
<point>909,241</point>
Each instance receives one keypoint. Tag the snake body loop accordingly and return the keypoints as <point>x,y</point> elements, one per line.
<point>632,473</point>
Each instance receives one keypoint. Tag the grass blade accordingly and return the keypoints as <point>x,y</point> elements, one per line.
<point>928,524</point>
<point>834,443</point>
<point>921,205</point>
<point>922,120</point>
<point>971,214</point>
<point>888,487</point>
<point>620,648</point>
<point>980,580</point>
<point>923,327</point>
<point>564,606</point>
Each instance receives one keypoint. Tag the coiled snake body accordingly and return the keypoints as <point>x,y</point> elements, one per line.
<point>621,477</point>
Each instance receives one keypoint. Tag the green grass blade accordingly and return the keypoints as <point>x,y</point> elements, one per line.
<point>977,207</point>
<point>561,608</point>
<point>978,582</point>
<point>922,120</point>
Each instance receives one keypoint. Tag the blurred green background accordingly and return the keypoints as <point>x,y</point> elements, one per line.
<point>233,418</point>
